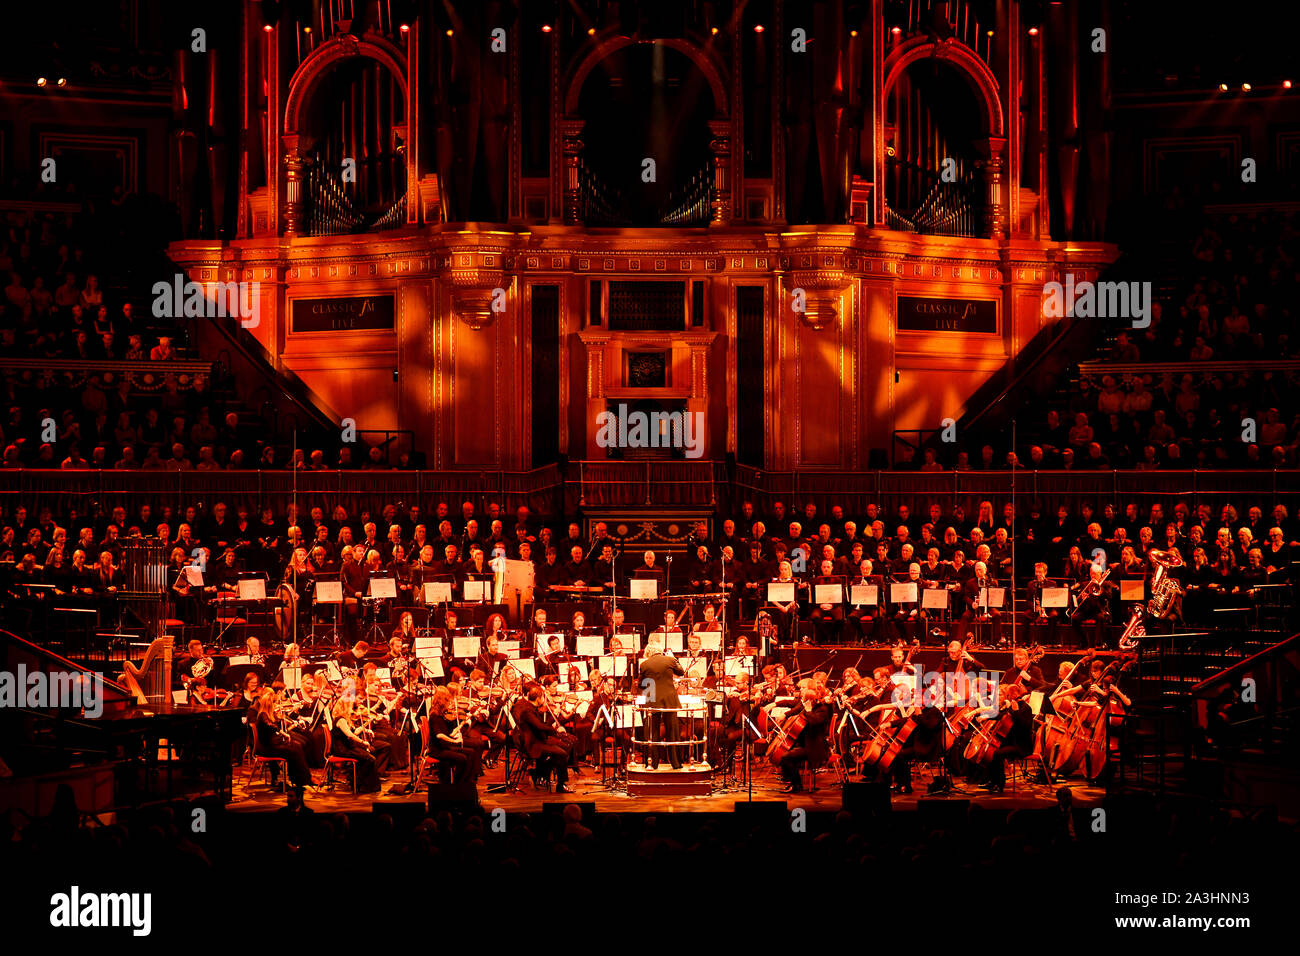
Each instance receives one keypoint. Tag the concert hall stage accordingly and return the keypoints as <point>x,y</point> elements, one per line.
<point>1020,794</point>
<point>811,657</point>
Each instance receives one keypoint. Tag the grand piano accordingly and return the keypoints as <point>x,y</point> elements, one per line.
<point>150,747</point>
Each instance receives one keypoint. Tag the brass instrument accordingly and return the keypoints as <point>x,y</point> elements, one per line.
<point>1090,589</point>
<point>1163,603</point>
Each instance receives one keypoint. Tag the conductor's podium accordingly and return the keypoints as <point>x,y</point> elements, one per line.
<point>693,780</point>
<point>695,777</point>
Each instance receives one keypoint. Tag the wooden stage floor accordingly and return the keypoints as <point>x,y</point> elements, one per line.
<point>259,797</point>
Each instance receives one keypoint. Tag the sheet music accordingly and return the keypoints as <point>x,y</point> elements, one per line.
<point>437,592</point>
<point>1056,597</point>
<point>590,645</point>
<point>1132,590</point>
<point>992,597</point>
<point>615,666</point>
<point>238,660</point>
<point>465,646</point>
<point>780,592</point>
<point>643,589</point>
<point>329,592</point>
<point>383,588</point>
<point>527,666</point>
<point>935,599</point>
<point>251,589</point>
<point>476,590</point>
<point>631,641</point>
<point>902,592</point>
<point>194,576</point>
<point>669,639</point>
<point>695,667</point>
<point>428,647</point>
<point>828,593</point>
<point>509,648</point>
<point>710,640</point>
<point>864,595</point>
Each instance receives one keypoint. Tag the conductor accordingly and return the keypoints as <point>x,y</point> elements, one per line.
<point>658,673</point>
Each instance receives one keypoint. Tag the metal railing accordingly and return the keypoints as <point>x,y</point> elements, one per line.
<point>587,484</point>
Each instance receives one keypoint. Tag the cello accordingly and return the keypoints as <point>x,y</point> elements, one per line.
<point>986,740</point>
<point>1056,727</point>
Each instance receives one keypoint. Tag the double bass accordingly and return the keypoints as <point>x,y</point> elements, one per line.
<point>1087,737</point>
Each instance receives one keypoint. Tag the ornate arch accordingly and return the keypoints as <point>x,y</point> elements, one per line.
<point>325,58</point>
<point>975,70</point>
<point>713,71</point>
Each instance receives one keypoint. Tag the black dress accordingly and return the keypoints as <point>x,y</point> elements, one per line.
<point>341,745</point>
<point>271,744</point>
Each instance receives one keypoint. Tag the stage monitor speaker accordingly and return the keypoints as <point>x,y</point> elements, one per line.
<point>869,797</point>
<point>453,796</point>
<point>766,813</point>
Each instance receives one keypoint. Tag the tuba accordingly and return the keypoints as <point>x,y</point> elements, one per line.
<point>1165,590</point>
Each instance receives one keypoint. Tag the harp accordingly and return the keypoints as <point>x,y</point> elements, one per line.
<point>151,681</point>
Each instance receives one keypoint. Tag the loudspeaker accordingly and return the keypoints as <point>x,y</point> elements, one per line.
<point>869,797</point>
<point>447,796</point>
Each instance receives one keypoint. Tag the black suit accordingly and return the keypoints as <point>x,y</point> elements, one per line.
<point>540,742</point>
<point>658,673</point>
<point>811,746</point>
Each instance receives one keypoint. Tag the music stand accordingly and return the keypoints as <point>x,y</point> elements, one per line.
<point>327,593</point>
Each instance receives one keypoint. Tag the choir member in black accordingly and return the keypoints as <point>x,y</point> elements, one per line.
<point>755,572</point>
<point>602,569</point>
<point>828,618</point>
<point>539,741</point>
<point>909,621</point>
<point>347,740</point>
<point>272,742</point>
<point>811,746</point>
<point>648,569</point>
<point>702,572</point>
<point>356,583</point>
<point>865,620</point>
<point>576,571</point>
<point>785,614</point>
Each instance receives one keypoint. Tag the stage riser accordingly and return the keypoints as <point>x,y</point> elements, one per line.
<point>864,658</point>
<point>669,783</point>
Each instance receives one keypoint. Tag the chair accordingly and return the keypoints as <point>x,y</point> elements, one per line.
<point>263,763</point>
<point>425,760</point>
<point>1018,767</point>
<point>519,763</point>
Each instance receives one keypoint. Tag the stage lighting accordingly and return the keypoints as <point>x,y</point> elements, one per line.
<point>896,31</point>
<point>40,81</point>
<point>546,28</point>
<point>713,30</point>
<point>853,33</point>
<point>758,28</point>
<point>591,31</point>
<point>451,33</point>
<point>268,28</point>
<point>306,29</point>
<point>62,81</point>
<point>1223,87</point>
<point>1033,31</point>
<point>1245,87</point>
<point>1286,84</point>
